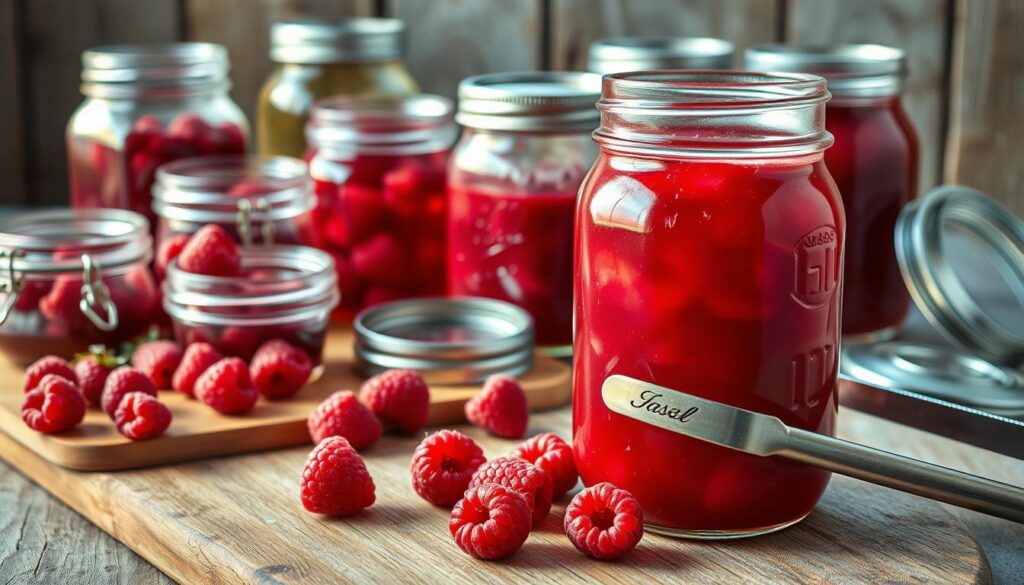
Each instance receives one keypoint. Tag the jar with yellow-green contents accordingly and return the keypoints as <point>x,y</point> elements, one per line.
<point>318,59</point>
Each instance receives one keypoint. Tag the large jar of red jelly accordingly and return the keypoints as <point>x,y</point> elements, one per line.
<point>378,166</point>
<point>146,105</point>
<point>512,192</point>
<point>875,164</point>
<point>709,242</point>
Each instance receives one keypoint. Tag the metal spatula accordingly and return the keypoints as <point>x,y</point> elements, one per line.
<point>765,435</point>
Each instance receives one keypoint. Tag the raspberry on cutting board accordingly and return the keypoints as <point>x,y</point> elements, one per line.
<point>141,416</point>
<point>50,364</point>
<point>500,408</point>
<point>198,357</point>
<point>443,465</point>
<point>490,522</point>
<point>525,478</point>
<point>226,387</point>
<point>92,371</point>
<point>342,415</point>
<point>549,452</point>
<point>158,360</point>
<point>54,405</point>
<point>120,382</point>
<point>211,251</point>
<point>279,369</point>
<point>604,522</point>
<point>400,397</point>
<point>335,481</point>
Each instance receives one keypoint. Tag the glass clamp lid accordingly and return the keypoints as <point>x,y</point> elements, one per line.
<point>458,340</point>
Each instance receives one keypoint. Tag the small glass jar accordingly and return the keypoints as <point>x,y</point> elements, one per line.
<point>874,163</point>
<point>283,292</point>
<point>262,200</point>
<point>321,59</point>
<point>709,243</point>
<point>72,278</point>
<point>622,54</point>
<point>512,192</point>
<point>379,170</point>
<point>146,105</point>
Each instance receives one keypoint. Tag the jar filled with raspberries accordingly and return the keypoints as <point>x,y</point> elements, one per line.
<point>72,278</point>
<point>379,170</point>
<point>258,200</point>
<point>146,105</point>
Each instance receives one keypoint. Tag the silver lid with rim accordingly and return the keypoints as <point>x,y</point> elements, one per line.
<point>348,40</point>
<point>933,282</point>
<point>945,374</point>
<point>647,53</point>
<point>120,71</point>
<point>851,70</point>
<point>342,126</point>
<point>536,101</point>
<point>449,340</point>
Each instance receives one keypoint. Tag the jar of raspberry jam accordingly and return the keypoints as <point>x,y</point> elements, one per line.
<point>146,105</point>
<point>72,278</point>
<point>620,54</point>
<point>874,162</point>
<point>283,292</point>
<point>378,165</point>
<point>709,241</point>
<point>260,200</point>
<point>319,59</point>
<point>512,192</point>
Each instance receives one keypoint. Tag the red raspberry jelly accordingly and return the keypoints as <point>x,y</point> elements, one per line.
<point>512,193</point>
<point>712,266</point>
<point>379,169</point>
<point>874,163</point>
<point>146,105</point>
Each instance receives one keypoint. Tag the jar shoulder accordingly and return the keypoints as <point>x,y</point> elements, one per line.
<point>522,162</point>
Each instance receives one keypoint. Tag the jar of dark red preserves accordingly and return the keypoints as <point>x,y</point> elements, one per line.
<point>146,105</point>
<point>874,162</point>
<point>512,192</point>
<point>709,242</point>
<point>378,166</point>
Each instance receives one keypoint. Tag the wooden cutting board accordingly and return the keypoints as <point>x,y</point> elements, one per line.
<point>238,519</point>
<point>198,431</point>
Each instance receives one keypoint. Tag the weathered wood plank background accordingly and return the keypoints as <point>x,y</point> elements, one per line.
<point>965,94</point>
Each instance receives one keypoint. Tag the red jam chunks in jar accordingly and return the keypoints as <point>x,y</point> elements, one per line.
<point>512,192</point>
<point>379,170</point>
<point>709,244</point>
<point>874,162</point>
<point>146,105</point>
<point>72,278</point>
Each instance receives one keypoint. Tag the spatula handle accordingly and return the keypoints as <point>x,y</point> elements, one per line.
<point>905,474</point>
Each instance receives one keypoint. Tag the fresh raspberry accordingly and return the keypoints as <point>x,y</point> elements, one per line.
<point>226,387</point>
<point>92,376</point>
<point>55,405</point>
<point>443,465</point>
<point>279,369</point>
<point>119,383</point>
<point>491,522</point>
<point>335,481</point>
<point>525,478</point>
<point>141,416</point>
<point>604,522</point>
<point>549,452</point>
<point>197,358</point>
<point>169,249</point>
<point>400,397</point>
<point>211,251</point>
<point>500,408</point>
<point>158,360</point>
<point>50,364</point>
<point>342,415</point>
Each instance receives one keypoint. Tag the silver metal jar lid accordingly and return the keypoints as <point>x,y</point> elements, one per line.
<point>348,40</point>
<point>341,126</point>
<point>944,374</point>
<point>648,53</point>
<point>933,283</point>
<point>538,101</point>
<point>851,70</point>
<point>116,71</point>
<point>449,340</point>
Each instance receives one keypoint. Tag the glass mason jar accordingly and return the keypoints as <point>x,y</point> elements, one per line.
<point>321,59</point>
<point>875,164</point>
<point>262,200</point>
<point>283,292</point>
<point>512,190</point>
<point>709,240</point>
<point>378,165</point>
<point>146,105</point>
<point>623,54</point>
<point>72,278</point>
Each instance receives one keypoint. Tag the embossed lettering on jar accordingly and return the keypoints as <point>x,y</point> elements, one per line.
<point>709,241</point>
